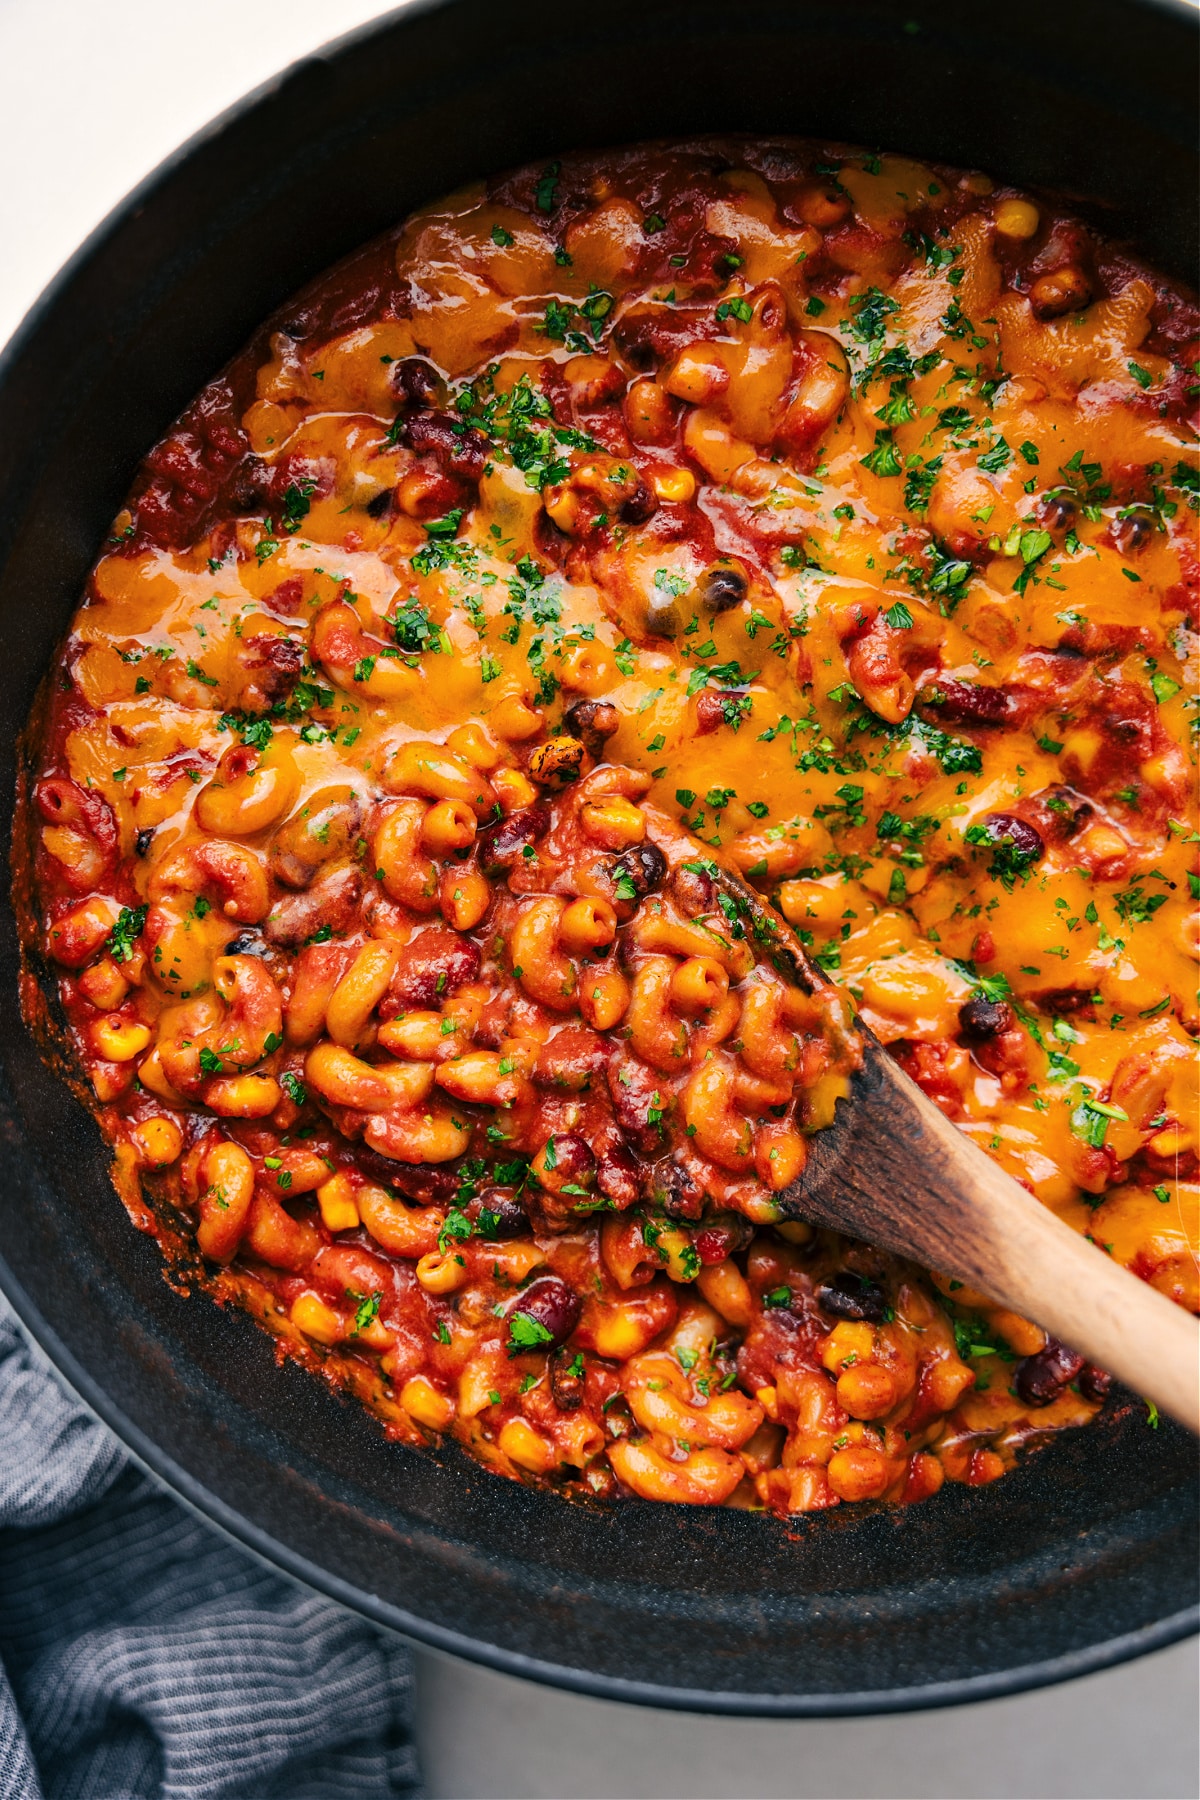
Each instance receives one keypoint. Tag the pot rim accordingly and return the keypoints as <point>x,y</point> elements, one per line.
<point>203,1501</point>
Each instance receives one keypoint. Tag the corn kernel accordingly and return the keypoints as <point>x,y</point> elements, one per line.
<point>423,1402</point>
<point>795,1231</point>
<point>119,1040</point>
<point>158,1141</point>
<point>104,984</point>
<point>1017,218</point>
<point>316,1320</point>
<point>335,1198</point>
<point>848,1342</point>
<point>110,1080</point>
<point>674,484</point>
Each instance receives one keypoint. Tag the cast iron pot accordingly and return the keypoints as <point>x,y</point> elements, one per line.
<point>1084,1556</point>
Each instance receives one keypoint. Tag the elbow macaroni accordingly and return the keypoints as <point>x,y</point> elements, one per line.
<point>379,825</point>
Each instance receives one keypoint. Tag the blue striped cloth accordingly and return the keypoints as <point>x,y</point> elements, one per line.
<point>145,1656</point>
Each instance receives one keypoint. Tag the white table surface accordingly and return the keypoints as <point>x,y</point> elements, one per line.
<point>93,93</point>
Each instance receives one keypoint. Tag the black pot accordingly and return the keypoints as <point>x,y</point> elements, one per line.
<point>1085,1555</point>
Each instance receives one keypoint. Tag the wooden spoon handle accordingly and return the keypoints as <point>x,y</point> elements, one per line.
<point>894,1171</point>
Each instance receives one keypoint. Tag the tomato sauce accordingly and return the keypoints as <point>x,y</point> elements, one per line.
<point>642,615</point>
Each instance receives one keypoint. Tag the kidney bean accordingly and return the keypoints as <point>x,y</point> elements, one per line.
<point>565,1385</point>
<point>1040,1379</point>
<point>669,1186</point>
<point>1015,843</point>
<point>593,722</point>
<point>248,490</point>
<point>275,663</point>
<point>500,845</point>
<point>636,1091</point>
<point>311,477</point>
<point>721,1238</point>
<point>457,449</point>
<point>570,1059</point>
<point>565,1160</point>
<point>330,902</point>
<point>721,587</point>
<point>426,1184</point>
<point>547,1302</point>
<point>711,710</point>
<point>647,333</point>
<point>965,703</point>
<point>1095,1384</point>
<point>851,1296</point>
<point>979,1019</point>
<point>1064,1001</point>
<point>694,891</point>
<point>433,966</point>
<point>619,1175</point>
<point>416,382</point>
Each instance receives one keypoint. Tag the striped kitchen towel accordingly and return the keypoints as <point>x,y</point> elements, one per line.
<point>144,1656</point>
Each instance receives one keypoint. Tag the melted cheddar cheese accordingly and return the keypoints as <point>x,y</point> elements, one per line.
<point>772,507</point>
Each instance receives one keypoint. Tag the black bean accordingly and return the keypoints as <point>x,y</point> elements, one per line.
<point>722,586</point>
<point>381,504</point>
<point>662,615</point>
<point>247,943</point>
<point>979,1019</point>
<point>640,506</point>
<point>593,722</point>
<point>498,1214</point>
<point>850,1296</point>
<point>143,840</point>
<point>1133,533</point>
<point>566,1384</point>
<point>645,866</point>
<point>1058,512</point>
<point>1040,1379</point>
<point>549,1303</point>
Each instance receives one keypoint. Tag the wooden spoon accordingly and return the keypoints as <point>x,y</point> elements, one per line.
<point>895,1172</point>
